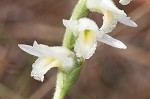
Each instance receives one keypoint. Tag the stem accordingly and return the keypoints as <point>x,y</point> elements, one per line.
<point>79,11</point>
<point>66,80</point>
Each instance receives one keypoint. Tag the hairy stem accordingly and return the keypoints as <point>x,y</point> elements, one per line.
<point>65,80</point>
<point>79,11</point>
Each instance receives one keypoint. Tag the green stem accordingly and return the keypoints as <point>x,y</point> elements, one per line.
<point>65,80</point>
<point>79,11</point>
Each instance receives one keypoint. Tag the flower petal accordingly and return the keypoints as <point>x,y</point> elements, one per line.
<point>42,50</point>
<point>38,50</point>
<point>109,22</point>
<point>85,44</point>
<point>60,53</point>
<point>41,66</point>
<point>108,6</point>
<point>71,25</point>
<point>87,24</point>
<point>119,14</point>
<point>29,49</point>
<point>93,5</point>
<point>125,2</point>
<point>126,20</point>
<point>112,42</point>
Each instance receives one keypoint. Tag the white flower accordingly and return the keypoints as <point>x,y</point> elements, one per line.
<point>87,33</point>
<point>48,57</point>
<point>125,2</point>
<point>111,14</point>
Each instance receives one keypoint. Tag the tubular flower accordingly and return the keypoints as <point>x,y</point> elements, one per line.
<point>125,2</point>
<point>111,14</point>
<point>48,57</point>
<point>87,33</point>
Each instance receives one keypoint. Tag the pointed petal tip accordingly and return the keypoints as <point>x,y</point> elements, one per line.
<point>112,42</point>
<point>134,24</point>
<point>65,21</point>
<point>131,23</point>
<point>21,46</point>
<point>121,46</point>
<point>35,43</point>
<point>124,47</point>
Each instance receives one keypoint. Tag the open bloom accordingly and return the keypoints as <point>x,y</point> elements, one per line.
<point>111,14</point>
<point>125,2</point>
<point>48,57</point>
<point>87,33</point>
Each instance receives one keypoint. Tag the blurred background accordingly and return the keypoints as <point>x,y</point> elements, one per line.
<point>110,74</point>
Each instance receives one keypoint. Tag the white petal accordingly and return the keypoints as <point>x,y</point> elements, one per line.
<point>71,25</point>
<point>109,5</point>
<point>112,42</point>
<point>93,5</point>
<point>41,66</point>
<point>37,49</point>
<point>109,22</point>
<point>87,24</point>
<point>85,44</point>
<point>126,20</point>
<point>111,14</point>
<point>125,2</point>
<point>60,53</point>
<point>43,49</point>
<point>119,14</point>
<point>40,50</point>
<point>29,49</point>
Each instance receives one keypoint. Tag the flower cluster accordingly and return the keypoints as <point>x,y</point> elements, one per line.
<point>86,32</point>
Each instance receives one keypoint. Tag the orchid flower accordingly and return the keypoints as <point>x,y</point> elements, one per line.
<point>48,57</point>
<point>125,2</point>
<point>87,33</point>
<point>111,14</point>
